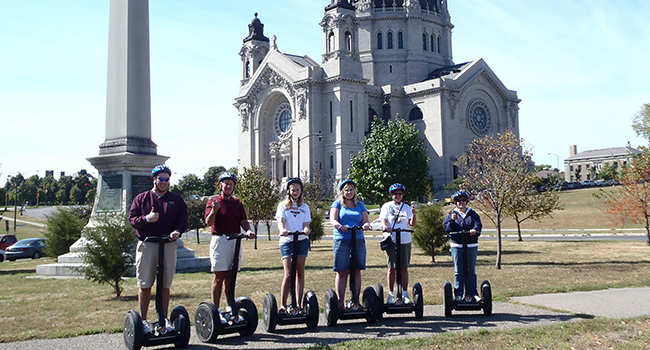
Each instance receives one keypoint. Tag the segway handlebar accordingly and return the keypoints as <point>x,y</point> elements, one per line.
<point>355,228</point>
<point>238,236</point>
<point>400,229</point>
<point>296,233</point>
<point>464,232</point>
<point>156,239</point>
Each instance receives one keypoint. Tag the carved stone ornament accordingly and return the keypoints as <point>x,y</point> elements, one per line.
<point>244,115</point>
<point>452,100</point>
<point>301,101</point>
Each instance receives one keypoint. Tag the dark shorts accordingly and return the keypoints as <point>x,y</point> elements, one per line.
<point>287,249</point>
<point>342,250</point>
<point>405,255</point>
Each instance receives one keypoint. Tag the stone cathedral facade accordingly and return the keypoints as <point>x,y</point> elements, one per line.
<point>381,58</point>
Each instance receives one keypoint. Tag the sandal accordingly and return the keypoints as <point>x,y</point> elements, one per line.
<point>282,310</point>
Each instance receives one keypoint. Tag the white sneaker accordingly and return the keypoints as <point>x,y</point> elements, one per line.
<point>223,319</point>
<point>391,298</point>
<point>458,298</point>
<point>477,298</point>
<point>146,327</point>
<point>407,300</point>
<point>169,327</point>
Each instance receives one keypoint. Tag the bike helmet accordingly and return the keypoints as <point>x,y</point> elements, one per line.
<point>228,175</point>
<point>294,180</point>
<point>396,187</point>
<point>458,195</point>
<point>345,182</point>
<point>162,168</point>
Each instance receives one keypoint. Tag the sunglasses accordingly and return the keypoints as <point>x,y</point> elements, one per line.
<point>163,179</point>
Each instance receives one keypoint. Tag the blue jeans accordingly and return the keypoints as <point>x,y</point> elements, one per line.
<point>462,283</point>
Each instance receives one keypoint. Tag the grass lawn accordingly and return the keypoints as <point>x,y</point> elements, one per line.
<point>76,306</point>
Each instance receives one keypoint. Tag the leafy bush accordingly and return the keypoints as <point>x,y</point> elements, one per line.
<point>196,215</point>
<point>429,235</point>
<point>109,252</point>
<point>64,228</point>
<point>316,224</point>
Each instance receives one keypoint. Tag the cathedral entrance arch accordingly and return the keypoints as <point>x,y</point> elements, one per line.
<point>275,120</point>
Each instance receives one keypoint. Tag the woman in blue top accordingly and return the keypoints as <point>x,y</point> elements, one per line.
<point>462,218</point>
<point>345,212</point>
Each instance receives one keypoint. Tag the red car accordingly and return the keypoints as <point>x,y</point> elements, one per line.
<point>7,240</point>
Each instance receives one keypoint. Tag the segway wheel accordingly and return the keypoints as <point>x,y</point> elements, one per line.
<point>133,331</point>
<point>418,300</point>
<point>486,295</point>
<point>270,312</point>
<point>448,298</point>
<point>207,323</point>
<point>181,321</point>
<point>248,311</point>
<point>370,302</point>
<point>379,290</point>
<point>310,303</point>
<point>331,307</point>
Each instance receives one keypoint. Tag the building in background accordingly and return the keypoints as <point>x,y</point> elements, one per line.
<point>584,165</point>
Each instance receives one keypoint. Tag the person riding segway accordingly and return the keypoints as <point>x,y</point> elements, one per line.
<point>293,217</point>
<point>396,218</point>
<point>464,227</point>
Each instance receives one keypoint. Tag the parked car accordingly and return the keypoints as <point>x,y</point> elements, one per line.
<point>376,225</point>
<point>6,241</point>
<point>2,255</point>
<point>26,248</point>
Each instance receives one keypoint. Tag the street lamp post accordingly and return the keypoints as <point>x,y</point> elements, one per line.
<point>319,134</point>
<point>557,158</point>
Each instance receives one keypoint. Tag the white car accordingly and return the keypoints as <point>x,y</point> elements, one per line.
<point>376,225</point>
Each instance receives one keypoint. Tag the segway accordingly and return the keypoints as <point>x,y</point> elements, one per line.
<point>370,308</point>
<point>242,316</point>
<point>134,336</point>
<point>293,314</point>
<point>468,303</point>
<point>399,306</point>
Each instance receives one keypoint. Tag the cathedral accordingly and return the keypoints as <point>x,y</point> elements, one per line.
<point>381,59</point>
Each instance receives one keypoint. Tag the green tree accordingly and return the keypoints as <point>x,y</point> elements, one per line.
<point>64,185</point>
<point>189,185</point>
<point>318,194</point>
<point>392,153</point>
<point>641,122</point>
<point>608,172</point>
<point>210,178</point>
<point>64,228</point>
<point>631,200</point>
<point>534,205</point>
<point>495,171</point>
<point>259,195</point>
<point>109,252</point>
<point>50,188</point>
<point>429,234</point>
<point>454,185</point>
<point>92,192</point>
<point>196,215</point>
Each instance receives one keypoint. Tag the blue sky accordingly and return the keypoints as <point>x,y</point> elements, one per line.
<point>580,67</point>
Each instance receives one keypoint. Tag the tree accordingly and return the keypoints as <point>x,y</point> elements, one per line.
<point>318,195</point>
<point>109,252</point>
<point>495,172</point>
<point>534,205</point>
<point>210,178</point>
<point>429,234</point>
<point>631,200</point>
<point>188,185</point>
<point>196,215</point>
<point>454,185</point>
<point>258,193</point>
<point>641,122</point>
<point>608,172</point>
<point>64,228</point>
<point>392,153</point>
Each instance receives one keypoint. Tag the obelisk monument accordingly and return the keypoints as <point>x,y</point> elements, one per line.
<point>128,154</point>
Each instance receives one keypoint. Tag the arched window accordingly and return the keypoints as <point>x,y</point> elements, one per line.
<point>415,114</point>
<point>351,116</point>
<point>439,44</point>
<point>424,41</point>
<point>400,40</point>
<point>433,44</point>
<point>284,168</point>
<point>331,119</point>
<point>389,38</point>
<point>348,41</point>
<point>380,42</point>
<point>330,42</point>
<point>331,160</point>
<point>248,70</point>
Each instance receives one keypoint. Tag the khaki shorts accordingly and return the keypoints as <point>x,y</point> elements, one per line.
<point>405,254</point>
<point>146,263</point>
<point>222,252</point>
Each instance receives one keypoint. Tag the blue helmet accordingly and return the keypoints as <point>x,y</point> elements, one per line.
<point>162,168</point>
<point>459,194</point>
<point>345,182</point>
<point>294,180</point>
<point>396,187</point>
<point>226,175</point>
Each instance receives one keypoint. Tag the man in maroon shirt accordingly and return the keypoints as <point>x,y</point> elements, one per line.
<point>227,216</point>
<point>156,213</point>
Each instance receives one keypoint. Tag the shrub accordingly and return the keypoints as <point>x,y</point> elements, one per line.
<point>64,228</point>
<point>429,235</point>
